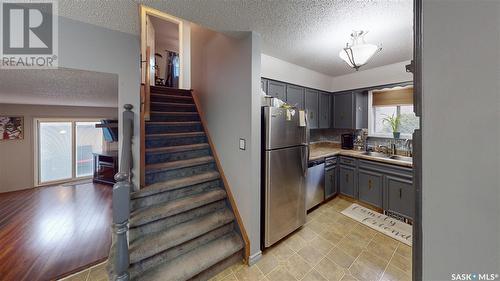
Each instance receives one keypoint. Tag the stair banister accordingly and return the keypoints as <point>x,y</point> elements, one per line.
<point>121,199</point>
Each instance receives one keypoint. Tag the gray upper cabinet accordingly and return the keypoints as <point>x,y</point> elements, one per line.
<point>343,115</point>
<point>350,110</point>
<point>295,96</point>
<point>312,106</point>
<point>263,85</point>
<point>370,187</point>
<point>325,116</point>
<point>276,89</point>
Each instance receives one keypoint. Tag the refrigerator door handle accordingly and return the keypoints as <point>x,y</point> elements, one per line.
<point>305,159</point>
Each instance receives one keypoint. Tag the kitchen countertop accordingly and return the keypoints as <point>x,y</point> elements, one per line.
<point>320,150</point>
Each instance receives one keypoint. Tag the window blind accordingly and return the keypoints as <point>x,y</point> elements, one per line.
<point>393,97</point>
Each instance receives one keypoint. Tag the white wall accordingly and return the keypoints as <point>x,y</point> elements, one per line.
<point>89,47</point>
<point>226,77</point>
<point>281,70</point>
<point>387,74</point>
<point>461,138</point>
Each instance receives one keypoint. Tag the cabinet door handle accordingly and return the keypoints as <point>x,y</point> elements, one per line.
<point>346,178</point>
<point>369,184</point>
<point>400,193</point>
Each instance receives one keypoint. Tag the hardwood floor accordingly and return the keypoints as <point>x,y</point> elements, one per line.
<point>50,232</point>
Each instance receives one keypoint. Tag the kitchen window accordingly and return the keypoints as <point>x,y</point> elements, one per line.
<point>64,149</point>
<point>392,102</point>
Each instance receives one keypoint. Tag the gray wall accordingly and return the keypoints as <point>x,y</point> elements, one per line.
<point>89,47</point>
<point>18,156</point>
<point>226,77</point>
<point>461,138</point>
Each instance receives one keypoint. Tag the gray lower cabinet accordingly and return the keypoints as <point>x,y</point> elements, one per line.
<point>325,116</point>
<point>331,181</point>
<point>370,187</point>
<point>295,96</point>
<point>347,177</point>
<point>312,103</point>
<point>400,196</point>
<point>276,89</point>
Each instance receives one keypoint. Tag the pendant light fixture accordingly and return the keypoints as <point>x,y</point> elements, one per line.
<point>358,53</point>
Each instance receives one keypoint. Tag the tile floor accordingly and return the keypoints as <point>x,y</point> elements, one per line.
<point>330,247</point>
<point>95,273</point>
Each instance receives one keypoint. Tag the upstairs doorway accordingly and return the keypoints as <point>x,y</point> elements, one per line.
<point>161,44</point>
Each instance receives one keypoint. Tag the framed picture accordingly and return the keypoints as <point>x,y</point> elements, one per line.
<point>11,127</point>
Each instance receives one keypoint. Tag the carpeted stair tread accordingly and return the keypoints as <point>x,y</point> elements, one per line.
<point>178,148</point>
<point>163,89</point>
<point>170,123</point>
<point>192,263</point>
<point>173,104</point>
<point>175,184</point>
<point>176,135</point>
<point>153,244</point>
<point>175,112</point>
<point>157,212</point>
<point>153,168</point>
<point>171,96</point>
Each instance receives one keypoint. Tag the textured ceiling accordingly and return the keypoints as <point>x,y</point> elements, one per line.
<point>59,87</point>
<point>309,33</point>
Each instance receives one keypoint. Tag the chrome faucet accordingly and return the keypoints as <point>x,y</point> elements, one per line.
<point>409,150</point>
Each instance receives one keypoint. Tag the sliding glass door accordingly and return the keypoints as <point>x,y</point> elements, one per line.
<point>64,150</point>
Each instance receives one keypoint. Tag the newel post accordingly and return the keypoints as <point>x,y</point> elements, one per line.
<point>121,199</point>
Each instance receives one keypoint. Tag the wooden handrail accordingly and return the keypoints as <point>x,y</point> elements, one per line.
<point>142,164</point>
<point>230,196</point>
<point>147,90</point>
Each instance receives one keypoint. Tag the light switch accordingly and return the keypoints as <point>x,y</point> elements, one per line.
<point>243,144</point>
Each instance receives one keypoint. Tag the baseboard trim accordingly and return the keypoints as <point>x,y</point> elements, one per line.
<point>252,259</point>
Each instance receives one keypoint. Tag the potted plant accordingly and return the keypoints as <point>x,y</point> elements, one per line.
<point>394,122</point>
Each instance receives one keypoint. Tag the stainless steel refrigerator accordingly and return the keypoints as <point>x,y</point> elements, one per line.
<point>285,158</point>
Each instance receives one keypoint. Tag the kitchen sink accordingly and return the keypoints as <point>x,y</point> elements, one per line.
<point>374,154</point>
<point>401,158</point>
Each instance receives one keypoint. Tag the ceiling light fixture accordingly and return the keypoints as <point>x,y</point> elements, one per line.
<point>358,53</point>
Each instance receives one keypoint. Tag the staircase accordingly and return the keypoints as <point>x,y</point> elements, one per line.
<point>182,226</point>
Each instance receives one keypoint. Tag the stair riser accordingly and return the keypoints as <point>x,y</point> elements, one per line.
<point>166,98</point>
<point>174,194</point>
<point>172,108</point>
<point>163,142</point>
<point>164,129</point>
<point>165,223</point>
<point>174,118</point>
<point>170,254</point>
<point>236,258</point>
<point>158,176</point>
<point>152,158</point>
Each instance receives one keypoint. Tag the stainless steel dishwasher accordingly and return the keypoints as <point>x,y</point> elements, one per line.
<point>315,183</point>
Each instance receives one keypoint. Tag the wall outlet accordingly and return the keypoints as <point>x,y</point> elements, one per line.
<point>243,144</point>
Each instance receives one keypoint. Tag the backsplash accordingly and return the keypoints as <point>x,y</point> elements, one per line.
<point>327,134</point>
<point>333,135</point>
